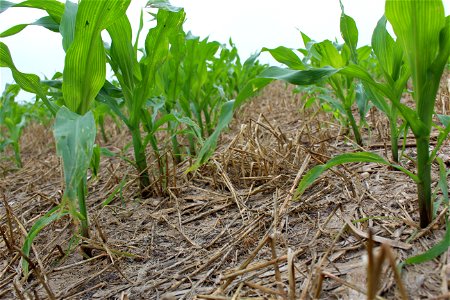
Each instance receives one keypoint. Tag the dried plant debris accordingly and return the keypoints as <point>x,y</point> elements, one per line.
<point>230,230</point>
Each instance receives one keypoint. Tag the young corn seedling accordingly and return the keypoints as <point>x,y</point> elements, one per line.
<point>442,246</point>
<point>184,83</point>
<point>247,89</point>
<point>137,78</point>
<point>423,32</point>
<point>196,83</point>
<point>395,74</point>
<point>320,60</point>
<point>83,77</point>
<point>12,121</point>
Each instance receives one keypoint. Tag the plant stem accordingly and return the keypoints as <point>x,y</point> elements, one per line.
<point>175,144</point>
<point>355,128</point>
<point>16,147</point>
<point>192,150</point>
<point>101,122</point>
<point>198,115</point>
<point>394,134</point>
<point>176,149</point>
<point>209,126</point>
<point>161,170</point>
<point>424,186</point>
<point>81,195</point>
<point>141,162</point>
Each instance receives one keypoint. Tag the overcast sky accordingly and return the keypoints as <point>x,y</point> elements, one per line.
<point>252,24</point>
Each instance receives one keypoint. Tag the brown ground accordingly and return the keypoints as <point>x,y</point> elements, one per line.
<point>234,214</point>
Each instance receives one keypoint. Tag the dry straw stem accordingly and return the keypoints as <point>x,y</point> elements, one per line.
<point>378,239</point>
<point>291,274</point>
<point>265,289</point>
<point>375,268</point>
<point>39,274</point>
<point>261,265</point>
<point>272,240</point>
<point>345,283</point>
<point>418,234</point>
<point>243,269</point>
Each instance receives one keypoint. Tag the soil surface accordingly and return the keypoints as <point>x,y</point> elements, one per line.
<point>230,230</point>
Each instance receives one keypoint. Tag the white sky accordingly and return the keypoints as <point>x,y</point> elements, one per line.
<point>252,24</point>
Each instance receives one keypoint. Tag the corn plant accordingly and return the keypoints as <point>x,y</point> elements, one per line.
<point>395,74</point>
<point>185,83</point>
<point>83,77</point>
<point>423,32</point>
<point>319,57</point>
<point>99,109</point>
<point>197,79</point>
<point>137,77</point>
<point>442,246</point>
<point>12,121</point>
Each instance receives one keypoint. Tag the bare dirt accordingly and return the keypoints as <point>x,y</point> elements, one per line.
<point>230,230</point>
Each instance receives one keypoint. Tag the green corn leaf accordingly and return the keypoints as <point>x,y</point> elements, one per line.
<point>85,64</point>
<point>362,100</point>
<point>54,8</point>
<point>333,102</point>
<point>443,135</point>
<point>445,120</point>
<point>286,56</point>
<point>46,22</point>
<point>359,72</point>
<point>180,120</point>
<point>53,215</point>
<point>388,52</point>
<point>157,51</point>
<point>444,46</point>
<point>123,55</point>
<point>411,116</point>
<point>75,138</point>
<point>226,114</point>
<point>422,31</point>
<point>327,54</point>
<point>28,82</point>
<point>305,77</point>
<point>400,83</point>
<point>306,39</point>
<point>112,102</point>
<point>57,84</point>
<point>4,5</point>
<point>68,21</point>
<point>417,25</point>
<point>433,252</point>
<point>95,160</point>
<point>364,52</point>
<point>250,89</point>
<point>138,35</point>
<point>377,99</point>
<point>312,175</point>
<point>251,60</point>
<point>349,33</point>
<point>443,184</point>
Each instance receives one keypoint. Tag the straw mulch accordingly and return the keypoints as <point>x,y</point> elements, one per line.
<point>229,230</point>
